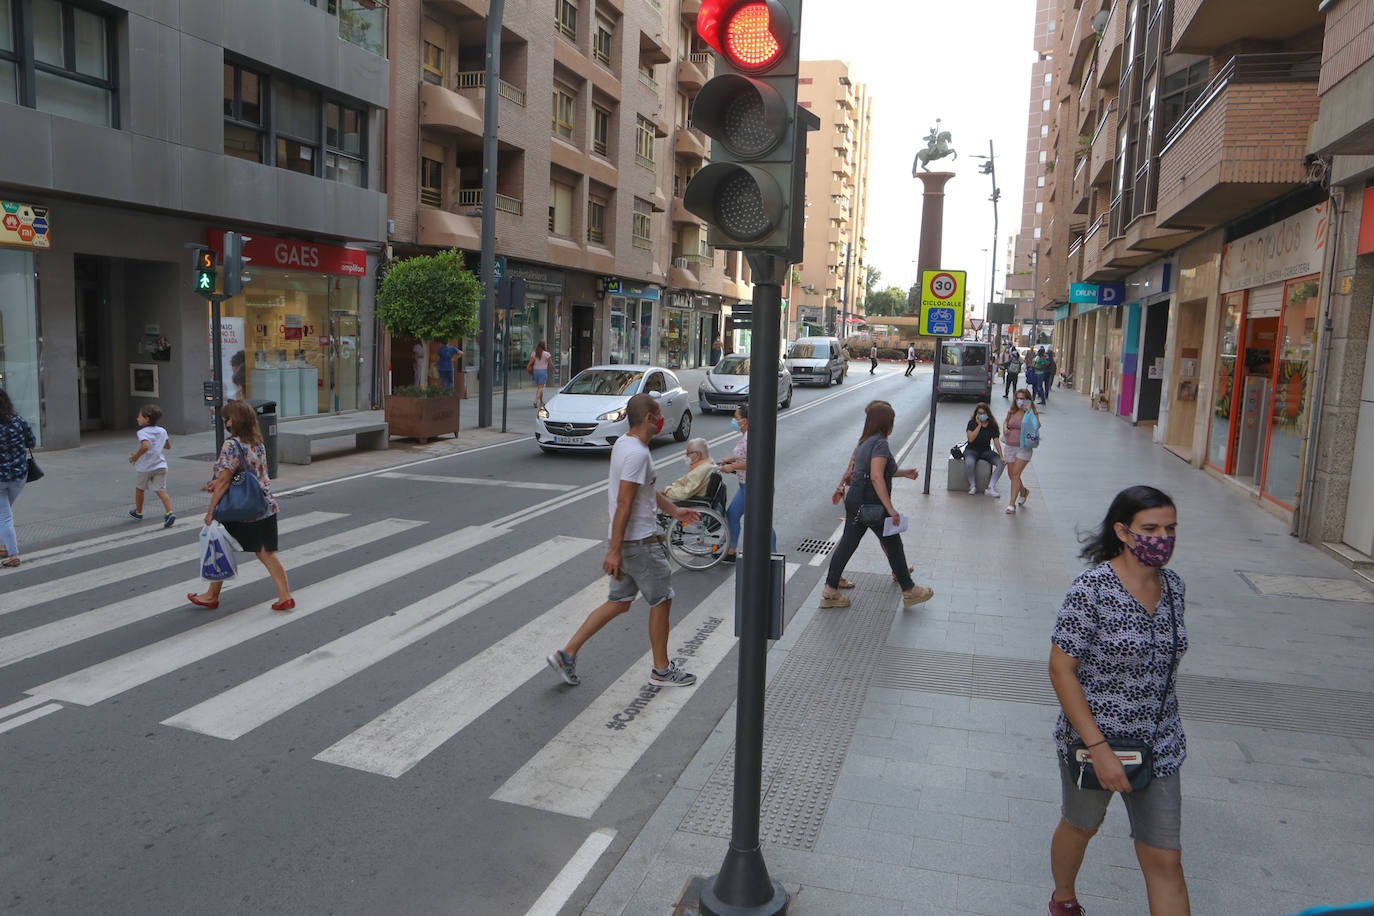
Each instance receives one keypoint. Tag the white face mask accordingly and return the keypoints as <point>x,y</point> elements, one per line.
<point>1021,402</point>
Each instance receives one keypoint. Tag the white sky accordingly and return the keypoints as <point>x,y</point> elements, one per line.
<point>967,63</point>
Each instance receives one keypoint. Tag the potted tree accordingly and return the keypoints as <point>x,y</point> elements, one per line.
<point>429,297</point>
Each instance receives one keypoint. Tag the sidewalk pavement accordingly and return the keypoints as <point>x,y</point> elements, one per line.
<point>91,488</point>
<point>909,766</point>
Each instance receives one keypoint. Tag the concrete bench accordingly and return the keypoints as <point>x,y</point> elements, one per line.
<point>294,438</point>
<point>958,477</point>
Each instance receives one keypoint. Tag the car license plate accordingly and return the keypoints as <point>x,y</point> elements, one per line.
<point>569,440</point>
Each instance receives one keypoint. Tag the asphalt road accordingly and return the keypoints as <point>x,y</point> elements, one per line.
<point>396,744</point>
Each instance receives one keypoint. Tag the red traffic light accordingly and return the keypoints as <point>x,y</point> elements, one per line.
<point>752,35</point>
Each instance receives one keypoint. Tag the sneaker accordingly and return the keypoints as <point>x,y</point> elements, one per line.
<point>672,676</point>
<point>169,519</point>
<point>135,514</point>
<point>972,491</point>
<point>993,493</point>
<point>1066,907</point>
<point>566,666</point>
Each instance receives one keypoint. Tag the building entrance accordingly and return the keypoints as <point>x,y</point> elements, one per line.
<point>92,279</point>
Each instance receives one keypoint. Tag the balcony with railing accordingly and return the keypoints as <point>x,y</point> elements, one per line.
<point>1202,26</point>
<point>477,80</point>
<point>1082,187</point>
<point>1242,143</point>
<point>1103,147</point>
<point>361,22</point>
<point>688,141</point>
<point>471,199</point>
<point>1109,46</point>
<point>1091,246</point>
<point>694,70</point>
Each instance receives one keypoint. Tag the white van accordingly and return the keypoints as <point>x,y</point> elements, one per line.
<point>816,361</point>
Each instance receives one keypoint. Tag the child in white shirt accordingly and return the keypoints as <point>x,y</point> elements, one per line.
<point>150,464</point>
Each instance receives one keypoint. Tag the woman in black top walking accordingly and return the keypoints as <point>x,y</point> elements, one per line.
<point>15,441</point>
<point>1113,664</point>
<point>870,486</point>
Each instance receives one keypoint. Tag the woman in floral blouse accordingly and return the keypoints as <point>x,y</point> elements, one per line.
<point>243,451</point>
<point>15,441</point>
<point>1116,646</point>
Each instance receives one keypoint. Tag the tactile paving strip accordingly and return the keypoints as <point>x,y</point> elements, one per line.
<point>812,708</point>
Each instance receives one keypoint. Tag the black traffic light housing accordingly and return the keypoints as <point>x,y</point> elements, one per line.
<point>235,263</point>
<point>751,193</point>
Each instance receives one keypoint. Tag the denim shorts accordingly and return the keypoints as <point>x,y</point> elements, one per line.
<point>1156,812</point>
<point>643,569</point>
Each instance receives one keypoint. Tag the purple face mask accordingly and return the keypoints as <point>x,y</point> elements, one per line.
<point>1152,550</point>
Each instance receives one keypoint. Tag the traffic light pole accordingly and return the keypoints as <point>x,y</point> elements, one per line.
<point>486,378</point>
<point>217,366</point>
<point>743,886</point>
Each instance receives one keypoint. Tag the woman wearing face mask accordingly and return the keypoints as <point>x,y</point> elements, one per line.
<point>984,444</point>
<point>1021,420</point>
<point>737,464</point>
<point>1113,663</point>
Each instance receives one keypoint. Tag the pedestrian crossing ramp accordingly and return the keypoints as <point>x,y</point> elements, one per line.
<point>572,773</point>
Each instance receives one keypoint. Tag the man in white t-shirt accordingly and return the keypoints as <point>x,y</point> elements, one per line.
<point>636,558</point>
<point>910,358</point>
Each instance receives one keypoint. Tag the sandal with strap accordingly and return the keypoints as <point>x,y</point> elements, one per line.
<point>845,583</point>
<point>835,600</point>
<point>10,562</point>
<point>909,569</point>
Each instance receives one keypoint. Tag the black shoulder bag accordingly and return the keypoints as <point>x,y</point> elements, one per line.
<point>1137,757</point>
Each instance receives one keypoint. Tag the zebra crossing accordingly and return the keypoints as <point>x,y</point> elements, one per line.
<point>573,773</point>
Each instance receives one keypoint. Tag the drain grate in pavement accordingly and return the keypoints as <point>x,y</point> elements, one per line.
<point>813,706</point>
<point>1227,701</point>
<point>816,545</point>
<point>1320,587</point>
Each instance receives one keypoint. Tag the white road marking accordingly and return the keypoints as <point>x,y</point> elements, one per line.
<point>551,902</point>
<point>140,666</point>
<point>311,487</point>
<point>103,619</point>
<point>576,771</point>
<point>254,703</point>
<point>184,555</point>
<point>398,739</point>
<point>28,717</point>
<point>480,481</point>
<point>20,706</point>
<point>821,558</point>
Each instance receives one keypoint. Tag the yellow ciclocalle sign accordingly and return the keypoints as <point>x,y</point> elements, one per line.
<point>942,303</point>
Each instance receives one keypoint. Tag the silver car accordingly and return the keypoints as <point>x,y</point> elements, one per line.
<point>588,413</point>
<point>726,386</point>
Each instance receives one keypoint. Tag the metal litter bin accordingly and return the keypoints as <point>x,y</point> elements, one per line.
<point>267,423</point>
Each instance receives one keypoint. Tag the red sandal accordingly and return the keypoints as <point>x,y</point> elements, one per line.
<point>198,603</point>
<point>287,605</point>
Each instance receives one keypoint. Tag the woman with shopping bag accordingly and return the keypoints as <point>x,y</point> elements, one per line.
<point>241,487</point>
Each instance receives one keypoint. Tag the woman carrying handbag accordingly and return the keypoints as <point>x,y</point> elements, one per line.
<point>243,454</point>
<point>16,469</point>
<point>1113,663</point>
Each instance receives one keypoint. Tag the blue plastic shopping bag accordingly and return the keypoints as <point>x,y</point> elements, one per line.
<point>216,554</point>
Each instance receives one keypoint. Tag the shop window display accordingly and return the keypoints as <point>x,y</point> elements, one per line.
<point>1288,413</point>
<point>19,336</point>
<point>1219,442</point>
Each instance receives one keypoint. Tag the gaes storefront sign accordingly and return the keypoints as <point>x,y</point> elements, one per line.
<point>289,254</point>
<point>24,224</point>
<point>1287,249</point>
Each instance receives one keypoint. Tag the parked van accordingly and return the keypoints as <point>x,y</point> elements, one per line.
<point>816,361</point>
<point>966,369</point>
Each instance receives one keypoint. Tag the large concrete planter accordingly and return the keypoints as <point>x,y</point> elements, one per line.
<point>422,418</point>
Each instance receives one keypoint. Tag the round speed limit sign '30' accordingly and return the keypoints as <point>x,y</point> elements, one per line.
<point>943,285</point>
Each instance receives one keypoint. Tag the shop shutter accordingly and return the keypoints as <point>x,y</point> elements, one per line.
<point>1265,301</point>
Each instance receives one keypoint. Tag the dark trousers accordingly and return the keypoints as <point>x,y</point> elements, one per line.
<point>849,542</point>
<point>910,366</point>
<point>874,368</point>
<point>1010,385</point>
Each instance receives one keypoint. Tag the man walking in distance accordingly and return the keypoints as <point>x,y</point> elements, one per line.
<point>873,358</point>
<point>635,558</point>
<point>910,358</point>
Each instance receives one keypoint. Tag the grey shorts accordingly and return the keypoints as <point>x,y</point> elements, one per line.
<point>1156,812</point>
<point>152,480</point>
<point>643,569</point>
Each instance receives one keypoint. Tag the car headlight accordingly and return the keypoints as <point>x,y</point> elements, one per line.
<point>543,413</point>
<point>613,416</point>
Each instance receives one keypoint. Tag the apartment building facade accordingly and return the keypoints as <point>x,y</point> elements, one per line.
<point>589,189</point>
<point>1022,257</point>
<point>829,283</point>
<point>1187,229</point>
<point>137,129</point>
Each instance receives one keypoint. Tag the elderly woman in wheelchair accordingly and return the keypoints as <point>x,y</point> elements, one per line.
<point>703,543</point>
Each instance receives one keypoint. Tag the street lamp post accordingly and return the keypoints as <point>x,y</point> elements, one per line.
<point>990,168</point>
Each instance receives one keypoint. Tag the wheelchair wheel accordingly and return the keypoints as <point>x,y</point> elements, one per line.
<point>700,544</point>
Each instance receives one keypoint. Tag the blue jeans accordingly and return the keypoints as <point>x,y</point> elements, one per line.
<point>9,492</point>
<point>734,513</point>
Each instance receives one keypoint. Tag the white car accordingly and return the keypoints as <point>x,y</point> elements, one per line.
<point>588,413</point>
<point>726,386</point>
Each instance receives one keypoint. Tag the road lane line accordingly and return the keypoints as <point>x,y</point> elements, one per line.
<point>254,703</point>
<point>103,619</point>
<point>480,481</point>
<point>407,733</point>
<point>311,487</point>
<point>140,666</point>
<point>578,769</point>
<point>20,706</point>
<point>567,881</point>
<point>28,717</point>
<point>101,577</point>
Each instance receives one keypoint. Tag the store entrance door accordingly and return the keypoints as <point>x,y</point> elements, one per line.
<point>343,360</point>
<point>1256,393</point>
<point>91,277</point>
<point>583,331</point>
<point>1151,351</point>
